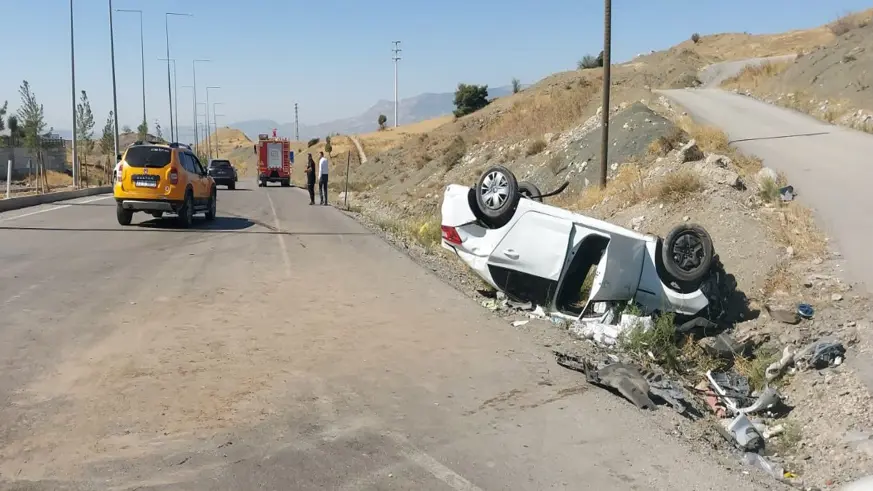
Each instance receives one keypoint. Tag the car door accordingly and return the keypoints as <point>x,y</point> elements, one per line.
<point>528,260</point>
<point>201,188</point>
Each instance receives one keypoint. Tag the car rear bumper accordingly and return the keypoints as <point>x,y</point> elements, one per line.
<point>148,205</point>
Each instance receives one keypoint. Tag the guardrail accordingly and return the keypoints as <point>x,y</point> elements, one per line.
<point>40,199</point>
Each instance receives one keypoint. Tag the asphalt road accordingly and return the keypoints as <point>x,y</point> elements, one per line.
<point>829,166</point>
<point>713,75</point>
<point>284,347</point>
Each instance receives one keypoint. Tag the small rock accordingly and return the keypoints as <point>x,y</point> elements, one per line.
<point>851,324</point>
<point>637,222</point>
<point>686,218</point>
<point>718,160</point>
<point>836,297</point>
<point>789,251</point>
<point>690,152</point>
<point>817,261</point>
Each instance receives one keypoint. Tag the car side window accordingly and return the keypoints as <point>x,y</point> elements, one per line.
<point>186,161</point>
<point>198,167</point>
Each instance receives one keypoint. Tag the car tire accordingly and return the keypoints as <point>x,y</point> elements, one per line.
<point>687,253</point>
<point>213,205</point>
<point>124,216</point>
<point>529,190</point>
<point>232,186</point>
<point>186,212</point>
<point>286,183</point>
<point>497,196</point>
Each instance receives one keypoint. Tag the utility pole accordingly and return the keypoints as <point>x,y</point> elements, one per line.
<point>607,47</point>
<point>73,83</point>
<point>173,135</point>
<point>196,130</point>
<point>396,58</point>
<point>114,91</point>
<point>208,136</point>
<point>215,125</point>
<point>296,124</point>
<point>142,58</point>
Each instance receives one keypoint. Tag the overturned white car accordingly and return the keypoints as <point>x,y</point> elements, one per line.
<point>570,264</point>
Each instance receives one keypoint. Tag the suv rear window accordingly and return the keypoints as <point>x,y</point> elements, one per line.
<point>219,163</point>
<point>148,156</point>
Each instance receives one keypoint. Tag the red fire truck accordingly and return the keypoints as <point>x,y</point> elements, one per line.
<point>274,159</point>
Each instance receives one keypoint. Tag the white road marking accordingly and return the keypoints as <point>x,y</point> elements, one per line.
<point>53,208</point>
<point>430,464</point>
<point>280,236</point>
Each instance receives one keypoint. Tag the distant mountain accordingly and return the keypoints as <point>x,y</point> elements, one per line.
<point>411,110</point>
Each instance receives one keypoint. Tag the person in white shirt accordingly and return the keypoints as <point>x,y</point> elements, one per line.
<point>322,179</point>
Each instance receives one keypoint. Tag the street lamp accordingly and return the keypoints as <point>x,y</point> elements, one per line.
<point>141,57</point>
<point>175,98</point>
<point>208,144</point>
<point>73,83</point>
<point>201,128</point>
<point>194,68</point>
<point>169,87</point>
<point>215,125</point>
<point>114,89</point>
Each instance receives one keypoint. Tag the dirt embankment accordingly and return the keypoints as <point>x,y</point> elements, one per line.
<point>550,133</point>
<point>831,82</point>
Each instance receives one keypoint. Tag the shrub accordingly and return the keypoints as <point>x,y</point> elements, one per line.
<point>535,147</point>
<point>695,38</point>
<point>313,142</point>
<point>382,120</point>
<point>470,98</point>
<point>589,61</point>
<point>664,144</point>
<point>842,25</point>
<point>677,186</point>
<point>516,86</point>
<point>454,153</point>
<point>327,145</point>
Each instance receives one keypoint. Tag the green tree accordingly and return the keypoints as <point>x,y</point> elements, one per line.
<point>382,120</point>
<point>107,144</point>
<point>16,132</point>
<point>85,130</point>
<point>327,146</point>
<point>516,86</point>
<point>470,98</point>
<point>32,117</point>
<point>3,109</point>
<point>125,130</point>
<point>589,61</point>
<point>142,131</point>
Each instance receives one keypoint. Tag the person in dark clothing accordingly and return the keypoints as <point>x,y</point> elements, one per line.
<point>310,179</point>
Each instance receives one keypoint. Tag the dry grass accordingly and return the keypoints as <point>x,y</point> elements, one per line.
<point>794,226</point>
<point>626,187</point>
<point>847,23</point>
<point>424,230</point>
<point>779,279</point>
<point>677,186</point>
<point>535,147</point>
<point>711,139</point>
<point>753,76</point>
<point>666,143</point>
<point>755,368</point>
<point>454,152</point>
<point>547,111</point>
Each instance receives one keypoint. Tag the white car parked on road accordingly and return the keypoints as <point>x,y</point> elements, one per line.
<point>570,264</point>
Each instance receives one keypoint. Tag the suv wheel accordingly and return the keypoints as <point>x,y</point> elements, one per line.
<point>213,206</point>
<point>186,212</point>
<point>124,216</point>
<point>232,186</point>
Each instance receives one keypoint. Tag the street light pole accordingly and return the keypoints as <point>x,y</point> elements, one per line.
<point>141,57</point>
<point>73,83</point>
<point>114,90</point>
<point>396,58</point>
<point>208,136</point>
<point>196,129</point>
<point>215,121</point>
<point>169,82</point>
<point>175,100</point>
<point>215,125</point>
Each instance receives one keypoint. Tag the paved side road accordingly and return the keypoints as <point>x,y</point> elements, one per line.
<point>829,166</point>
<point>284,347</point>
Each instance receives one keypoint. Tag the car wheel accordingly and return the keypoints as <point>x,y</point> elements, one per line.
<point>687,253</point>
<point>213,205</point>
<point>286,183</point>
<point>186,212</point>
<point>497,195</point>
<point>124,216</point>
<point>232,186</point>
<point>529,190</point>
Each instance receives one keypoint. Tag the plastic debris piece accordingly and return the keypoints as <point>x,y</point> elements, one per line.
<point>778,367</point>
<point>744,433</point>
<point>771,468</point>
<point>519,323</point>
<point>805,310</point>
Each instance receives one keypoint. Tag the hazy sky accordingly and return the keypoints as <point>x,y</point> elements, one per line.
<point>333,57</point>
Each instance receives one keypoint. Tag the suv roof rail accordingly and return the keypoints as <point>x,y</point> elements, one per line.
<point>180,145</point>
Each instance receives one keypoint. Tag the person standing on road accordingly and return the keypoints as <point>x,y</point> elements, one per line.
<point>310,178</point>
<point>322,181</point>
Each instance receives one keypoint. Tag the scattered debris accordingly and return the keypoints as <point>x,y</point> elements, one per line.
<point>805,310</point>
<point>519,323</point>
<point>755,460</point>
<point>787,193</point>
<point>744,433</point>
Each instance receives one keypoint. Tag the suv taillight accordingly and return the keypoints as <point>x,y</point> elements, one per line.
<point>450,234</point>
<point>174,176</point>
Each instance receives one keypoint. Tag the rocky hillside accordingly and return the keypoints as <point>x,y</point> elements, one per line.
<point>832,82</point>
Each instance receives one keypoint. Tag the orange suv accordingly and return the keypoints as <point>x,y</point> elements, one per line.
<point>157,178</point>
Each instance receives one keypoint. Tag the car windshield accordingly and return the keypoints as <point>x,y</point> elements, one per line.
<point>219,164</point>
<point>147,156</point>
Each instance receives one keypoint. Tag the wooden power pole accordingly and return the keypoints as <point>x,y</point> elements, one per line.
<point>607,46</point>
